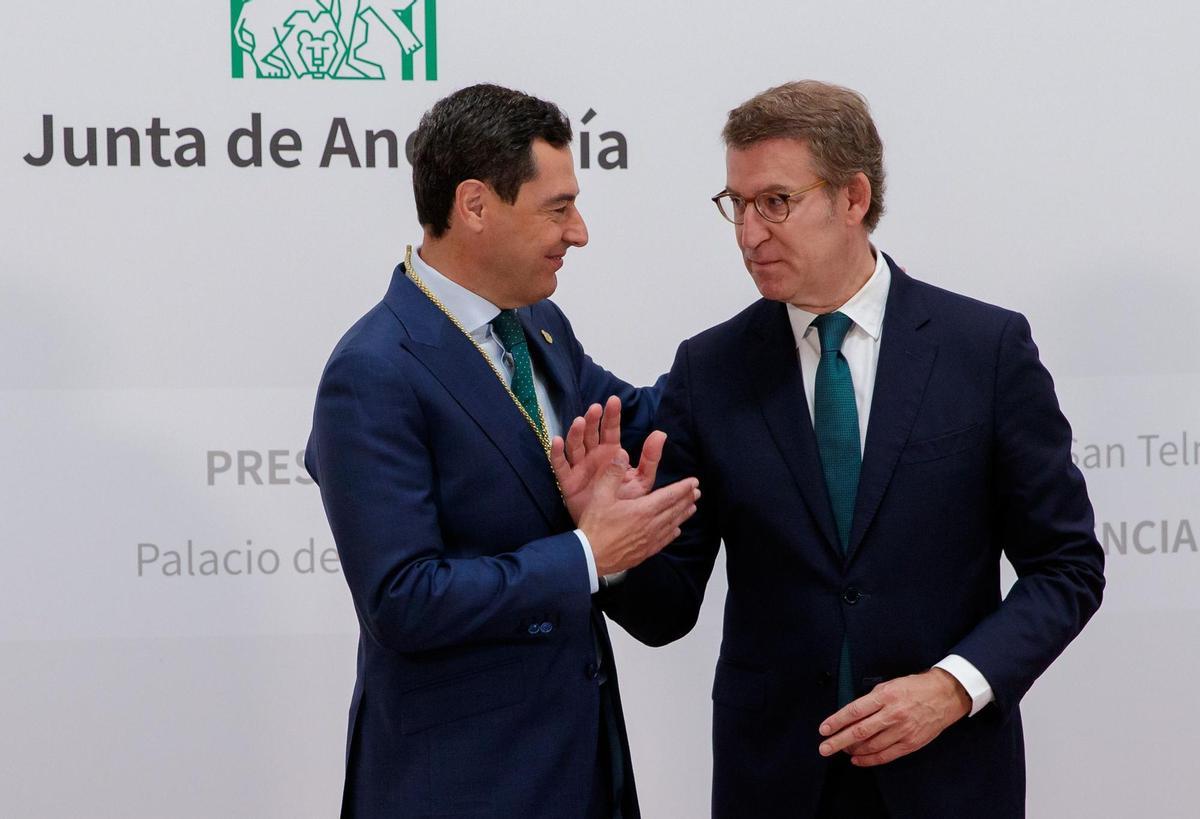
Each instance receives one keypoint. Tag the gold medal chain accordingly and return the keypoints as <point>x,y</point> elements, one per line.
<point>542,436</point>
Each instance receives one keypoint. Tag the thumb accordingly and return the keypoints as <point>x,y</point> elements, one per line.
<point>652,451</point>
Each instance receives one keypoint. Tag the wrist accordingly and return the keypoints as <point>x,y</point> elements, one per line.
<point>954,691</point>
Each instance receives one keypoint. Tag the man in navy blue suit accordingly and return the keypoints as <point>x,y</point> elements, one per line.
<point>471,535</point>
<point>870,446</point>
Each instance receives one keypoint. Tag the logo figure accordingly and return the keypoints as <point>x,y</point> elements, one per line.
<point>333,39</point>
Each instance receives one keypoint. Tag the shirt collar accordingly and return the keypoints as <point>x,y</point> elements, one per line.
<point>865,308</point>
<point>473,311</point>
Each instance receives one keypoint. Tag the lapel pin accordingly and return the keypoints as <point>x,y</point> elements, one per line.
<point>546,335</point>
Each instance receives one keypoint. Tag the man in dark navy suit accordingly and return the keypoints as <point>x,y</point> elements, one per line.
<point>870,446</point>
<point>485,678</point>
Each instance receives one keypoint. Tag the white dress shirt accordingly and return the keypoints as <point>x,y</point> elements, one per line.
<point>861,351</point>
<point>475,313</point>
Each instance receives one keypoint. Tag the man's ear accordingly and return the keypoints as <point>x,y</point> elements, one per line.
<point>858,198</point>
<point>471,200</point>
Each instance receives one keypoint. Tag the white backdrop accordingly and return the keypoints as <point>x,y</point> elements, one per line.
<point>158,324</point>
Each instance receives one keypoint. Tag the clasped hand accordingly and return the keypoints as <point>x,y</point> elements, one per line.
<point>625,519</point>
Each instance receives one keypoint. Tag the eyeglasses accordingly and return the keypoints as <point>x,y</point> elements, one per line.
<point>774,207</point>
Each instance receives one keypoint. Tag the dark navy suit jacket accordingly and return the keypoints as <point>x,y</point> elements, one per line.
<point>967,457</point>
<point>477,691</point>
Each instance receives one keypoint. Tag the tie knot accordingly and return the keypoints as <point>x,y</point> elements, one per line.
<point>832,328</point>
<point>508,328</point>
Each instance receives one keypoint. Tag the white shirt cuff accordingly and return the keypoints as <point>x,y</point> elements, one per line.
<point>970,679</point>
<point>593,578</point>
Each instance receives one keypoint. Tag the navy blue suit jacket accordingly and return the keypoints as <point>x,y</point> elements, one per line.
<point>477,690</point>
<point>967,457</point>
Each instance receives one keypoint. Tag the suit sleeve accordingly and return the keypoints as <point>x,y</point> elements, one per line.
<point>638,404</point>
<point>370,456</point>
<point>659,601</point>
<point>1047,528</point>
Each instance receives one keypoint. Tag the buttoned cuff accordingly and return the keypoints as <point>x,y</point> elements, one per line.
<point>970,679</point>
<point>593,579</point>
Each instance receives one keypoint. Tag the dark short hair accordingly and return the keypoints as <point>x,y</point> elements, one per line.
<point>834,122</point>
<point>483,132</point>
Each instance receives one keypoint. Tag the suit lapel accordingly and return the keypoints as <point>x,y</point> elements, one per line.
<point>905,362</point>
<point>455,362</point>
<point>774,369</point>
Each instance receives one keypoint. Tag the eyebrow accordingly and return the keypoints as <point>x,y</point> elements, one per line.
<point>561,199</point>
<point>768,189</point>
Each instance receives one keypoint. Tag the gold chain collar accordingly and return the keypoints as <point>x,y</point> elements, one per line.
<point>541,432</point>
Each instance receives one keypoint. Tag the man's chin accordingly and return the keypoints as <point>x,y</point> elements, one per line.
<point>769,287</point>
<point>549,285</point>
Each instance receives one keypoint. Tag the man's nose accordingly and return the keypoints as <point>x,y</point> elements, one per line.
<point>576,232</point>
<point>753,230</point>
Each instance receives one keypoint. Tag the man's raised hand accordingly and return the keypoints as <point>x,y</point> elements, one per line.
<point>625,522</point>
<point>592,443</point>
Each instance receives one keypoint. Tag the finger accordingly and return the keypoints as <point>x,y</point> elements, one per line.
<point>672,495</point>
<point>891,753</point>
<point>853,712</point>
<point>652,450</point>
<point>660,531</point>
<point>591,431</point>
<point>686,513</point>
<point>672,517</point>
<point>610,426</point>
<point>860,708</point>
<point>666,523</point>
<point>665,527</point>
<point>680,511</point>
<point>853,734</point>
<point>878,743</point>
<point>574,447</point>
<point>558,459</point>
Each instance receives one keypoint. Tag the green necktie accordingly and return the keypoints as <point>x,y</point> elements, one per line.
<point>508,328</point>
<point>835,421</point>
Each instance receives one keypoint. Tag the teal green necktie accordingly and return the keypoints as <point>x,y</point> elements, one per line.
<point>835,422</point>
<point>508,328</point>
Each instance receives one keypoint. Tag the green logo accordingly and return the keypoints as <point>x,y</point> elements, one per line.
<point>334,39</point>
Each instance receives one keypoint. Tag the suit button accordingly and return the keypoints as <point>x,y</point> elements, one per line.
<point>824,678</point>
<point>851,596</point>
<point>592,671</point>
<point>546,628</point>
<point>533,628</point>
